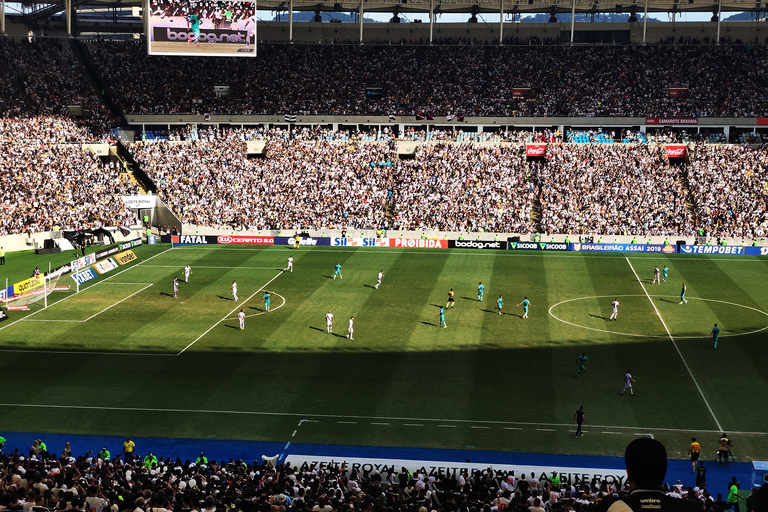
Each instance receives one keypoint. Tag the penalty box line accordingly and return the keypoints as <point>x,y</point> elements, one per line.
<point>674,343</point>
<point>230,313</point>
<point>75,294</point>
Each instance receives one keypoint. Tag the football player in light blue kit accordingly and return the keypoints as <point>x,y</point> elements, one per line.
<point>665,271</point>
<point>499,302</point>
<point>525,305</point>
<point>266,301</point>
<point>480,290</point>
<point>338,271</point>
<point>682,294</point>
<point>442,317</point>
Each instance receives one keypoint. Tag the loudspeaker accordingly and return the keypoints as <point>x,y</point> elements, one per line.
<point>49,244</point>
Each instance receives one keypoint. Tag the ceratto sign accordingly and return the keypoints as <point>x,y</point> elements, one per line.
<point>677,151</point>
<point>125,257</point>
<point>668,121</point>
<point>475,244</point>
<point>245,240</point>
<point>535,150</point>
<point>418,243</point>
<point>166,34</point>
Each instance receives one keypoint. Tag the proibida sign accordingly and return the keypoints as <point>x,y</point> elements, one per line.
<point>536,150</point>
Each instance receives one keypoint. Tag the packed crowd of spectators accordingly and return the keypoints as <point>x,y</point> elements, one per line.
<point>217,12</point>
<point>39,81</point>
<point>729,185</point>
<point>462,187</point>
<point>51,185</point>
<point>300,185</point>
<point>443,80</point>
<point>612,190</point>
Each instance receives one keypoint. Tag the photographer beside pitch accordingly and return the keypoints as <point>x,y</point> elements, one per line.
<point>646,462</point>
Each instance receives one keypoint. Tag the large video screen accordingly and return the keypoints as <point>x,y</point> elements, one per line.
<point>209,27</point>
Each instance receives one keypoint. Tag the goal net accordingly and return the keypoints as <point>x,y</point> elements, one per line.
<point>31,291</point>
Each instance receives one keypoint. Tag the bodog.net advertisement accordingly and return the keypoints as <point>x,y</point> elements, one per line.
<point>206,28</point>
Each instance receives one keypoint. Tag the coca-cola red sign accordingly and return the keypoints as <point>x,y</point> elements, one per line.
<point>249,240</point>
<point>668,121</point>
<point>536,150</point>
<point>521,92</point>
<point>677,151</point>
<point>678,92</point>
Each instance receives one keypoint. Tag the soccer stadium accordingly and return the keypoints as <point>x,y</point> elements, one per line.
<point>383,256</point>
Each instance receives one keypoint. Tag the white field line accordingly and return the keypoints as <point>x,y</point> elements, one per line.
<point>305,418</point>
<point>468,252</point>
<point>201,266</point>
<point>75,295</point>
<point>116,303</point>
<point>230,313</point>
<point>674,343</point>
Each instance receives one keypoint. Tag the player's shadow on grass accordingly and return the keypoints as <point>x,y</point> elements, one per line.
<point>598,316</point>
<point>369,286</point>
<point>470,298</point>
<point>429,323</point>
<point>329,277</point>
<point>233,327</point>
<point>495,312</point>
<point>671,301</point>
<point>437,305</point>
<point>257,309</point>
<point>223,297</point>
<point>317,329</point>
<point>167,294</point>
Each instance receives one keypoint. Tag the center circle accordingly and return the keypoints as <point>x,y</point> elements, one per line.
<point>653,335</point>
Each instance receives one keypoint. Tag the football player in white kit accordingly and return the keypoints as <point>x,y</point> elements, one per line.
<point>290,263</point>
<point>187,271</point>
<point>241,317</point>
<point>351,328</point>
<point>378,279</point>
<point>329,321</point>
<point>234,290</point>
<point>628,380</point>
<point>615,314</point>
<point>249,25</point>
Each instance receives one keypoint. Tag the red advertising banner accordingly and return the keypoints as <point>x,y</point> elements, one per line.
<point>426,243</point>
<point>677,151</point>
<point>666,121</point>
<point>678,92</point>
<point>535,150</point>
<point>245,240</point>
<point>762,121</point>
<point>521,92</point>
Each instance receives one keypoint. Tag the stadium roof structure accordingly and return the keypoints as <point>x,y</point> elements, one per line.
<point>35,9</point>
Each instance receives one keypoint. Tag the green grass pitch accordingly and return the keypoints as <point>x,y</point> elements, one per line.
<point>124,357</point>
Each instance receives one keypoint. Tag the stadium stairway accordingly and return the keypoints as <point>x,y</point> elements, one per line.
<point>249,451</point>
<point>83,55</point>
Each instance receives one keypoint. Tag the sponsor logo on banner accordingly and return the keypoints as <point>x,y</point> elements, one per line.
<point>84,276</point>
<point>656,248</point>
<point>453,469</point>
<point>3,293</point>
<point>27,284</point>
<point>138,202</point>
<point>535,150</point>
<point>418,243</point>
<point>360,242</point>
<point>22,307</point>
<point>165,34</point>
<point>714,249</point>
<point>304,240</point>
<point>61,288</point>
<point>88,259</point>
<point>756,251</point>
<point>193,239</point>
<point>666,121</point>
<point>677,151</point>
<point>537,246</point>
<point>109,251</point>
<point>129,244</point>
<point>678,92</point>
<point>474,244</point>
<point>3,316</point>
<point>125,257</point>
<point>102,267</point>
<point>521,92</point>
<point>245,240</point>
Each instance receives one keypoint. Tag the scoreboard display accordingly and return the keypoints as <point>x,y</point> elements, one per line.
<point>209,28</point>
